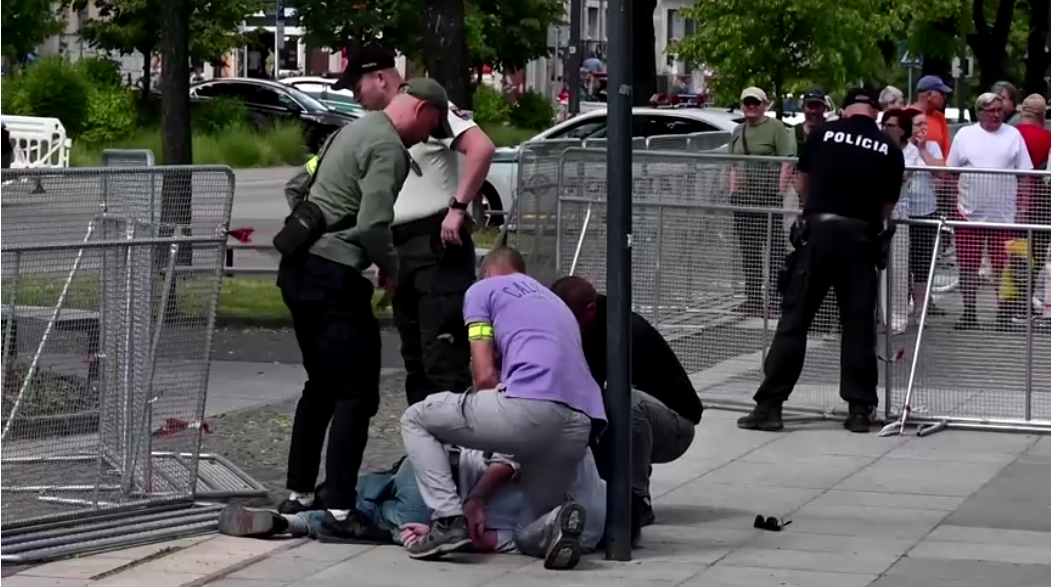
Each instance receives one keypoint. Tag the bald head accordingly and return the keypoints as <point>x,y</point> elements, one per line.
<point>503,261</point>
<point>580,296</point>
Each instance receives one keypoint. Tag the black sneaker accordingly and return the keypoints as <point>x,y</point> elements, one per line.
<point>353,528</point>
<point>858,423</point>
<point>766,417</point>
<point>565,549</point>
<point>236,520</point>
<point>294,506</point>
<point>446,535</point>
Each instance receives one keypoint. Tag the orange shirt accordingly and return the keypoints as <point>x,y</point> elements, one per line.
<point>938,131</point>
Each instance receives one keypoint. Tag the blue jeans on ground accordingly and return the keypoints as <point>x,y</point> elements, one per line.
<point>386,501</point>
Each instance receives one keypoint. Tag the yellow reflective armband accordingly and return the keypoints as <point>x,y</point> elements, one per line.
<point>479,331</point>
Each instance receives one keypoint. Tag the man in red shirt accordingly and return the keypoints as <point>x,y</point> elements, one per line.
<point>1037,210</point>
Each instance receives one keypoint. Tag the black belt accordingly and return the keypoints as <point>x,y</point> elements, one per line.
<point>420,227</point>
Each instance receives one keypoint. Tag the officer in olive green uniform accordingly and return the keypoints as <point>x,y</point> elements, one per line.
<point>353,184</point>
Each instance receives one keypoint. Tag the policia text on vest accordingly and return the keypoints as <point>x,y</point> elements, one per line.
<point>851,176</point>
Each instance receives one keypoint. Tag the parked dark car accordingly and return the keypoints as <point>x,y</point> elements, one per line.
<point>269,102</point>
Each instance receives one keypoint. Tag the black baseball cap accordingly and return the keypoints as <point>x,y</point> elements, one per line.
<point>862,95</point>
<point>815,95</point>
<point>363,61</point>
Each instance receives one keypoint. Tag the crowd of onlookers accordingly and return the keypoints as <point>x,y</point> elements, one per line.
<point>1009,135</point>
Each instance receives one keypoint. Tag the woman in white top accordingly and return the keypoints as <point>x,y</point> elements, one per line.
<point>921,204</point>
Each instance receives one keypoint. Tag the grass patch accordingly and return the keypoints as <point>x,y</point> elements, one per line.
<point>486,236</point>
<point>504,135</point>
<point>238,146</point>
<point>244,298</point>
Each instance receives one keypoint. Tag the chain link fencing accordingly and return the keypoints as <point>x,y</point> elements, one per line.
<point>709,235</point>
<point>111,278</point>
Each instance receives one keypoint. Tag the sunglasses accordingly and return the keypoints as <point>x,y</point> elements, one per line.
<point>751,102</point>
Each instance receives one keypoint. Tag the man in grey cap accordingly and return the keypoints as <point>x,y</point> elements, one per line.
<point>339,226</point>
<point>432,233</point>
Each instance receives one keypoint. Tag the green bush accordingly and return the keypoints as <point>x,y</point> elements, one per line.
<point>490,106</point>
<point>111,116</point>
<point>238,146</point>
<point>50,88</point>
<point>532,111</point>
<point>219,114</point>
<point>100,72</point>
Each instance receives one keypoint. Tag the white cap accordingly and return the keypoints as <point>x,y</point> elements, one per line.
<point>753,92</point>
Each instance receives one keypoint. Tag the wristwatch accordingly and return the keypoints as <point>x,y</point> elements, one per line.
<point>455,204</point>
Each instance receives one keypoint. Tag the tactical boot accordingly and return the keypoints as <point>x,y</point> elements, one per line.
<point>765,417</point>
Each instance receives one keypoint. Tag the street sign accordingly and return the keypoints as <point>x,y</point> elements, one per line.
<point>907,60</point>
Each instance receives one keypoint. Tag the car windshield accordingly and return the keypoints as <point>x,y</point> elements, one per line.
<point>308,102</point>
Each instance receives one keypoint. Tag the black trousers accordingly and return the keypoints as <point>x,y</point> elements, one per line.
<point>339,336</point>
<point>752,230</point>
<point>840,254</point>
<point>428,307</point>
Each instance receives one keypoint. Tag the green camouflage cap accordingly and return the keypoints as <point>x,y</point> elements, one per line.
<point>431,92</point>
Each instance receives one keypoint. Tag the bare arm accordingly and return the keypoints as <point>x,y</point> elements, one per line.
<point>484,371</point>
<point>477,150</point>
<point>496,475</point>
<point>785,178</point>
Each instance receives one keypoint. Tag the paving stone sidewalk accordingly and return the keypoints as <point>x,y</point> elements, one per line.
<point>957,509</point>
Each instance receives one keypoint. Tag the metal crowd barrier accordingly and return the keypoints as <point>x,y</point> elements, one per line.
<point>698,251</point>
<point>531,225</point>
<point>110,287</point>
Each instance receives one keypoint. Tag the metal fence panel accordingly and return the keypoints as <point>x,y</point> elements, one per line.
<point>111,279</point>
<point>534,209</point>
<point>698,251</point>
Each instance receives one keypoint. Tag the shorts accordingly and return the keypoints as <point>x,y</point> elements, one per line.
<point>921,247</point>
<point>970,242</point>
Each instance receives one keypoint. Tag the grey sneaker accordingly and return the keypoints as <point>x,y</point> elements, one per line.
<point>565,549</point>
<point>445,536</point>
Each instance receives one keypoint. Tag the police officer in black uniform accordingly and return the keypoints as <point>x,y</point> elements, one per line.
<point>850,178</point>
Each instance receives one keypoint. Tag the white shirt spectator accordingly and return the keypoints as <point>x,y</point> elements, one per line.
<point>429,193</point>
<point>987,197</point>
<point>919,196</point>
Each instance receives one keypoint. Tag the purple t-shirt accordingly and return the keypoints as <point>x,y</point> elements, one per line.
<point>538,339</point>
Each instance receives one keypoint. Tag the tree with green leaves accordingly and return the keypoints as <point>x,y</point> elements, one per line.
<point>781,44</point>
<point>129,26</point>
<point>26,24</point>
<point>508,34</point>
<point>450,37</point>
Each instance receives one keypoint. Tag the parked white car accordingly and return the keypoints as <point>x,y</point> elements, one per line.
<point>499,187</point>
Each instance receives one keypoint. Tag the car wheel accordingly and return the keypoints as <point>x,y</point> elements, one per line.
<point>491,202</point>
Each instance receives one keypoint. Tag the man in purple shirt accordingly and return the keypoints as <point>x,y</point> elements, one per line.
<point>534,400</point>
